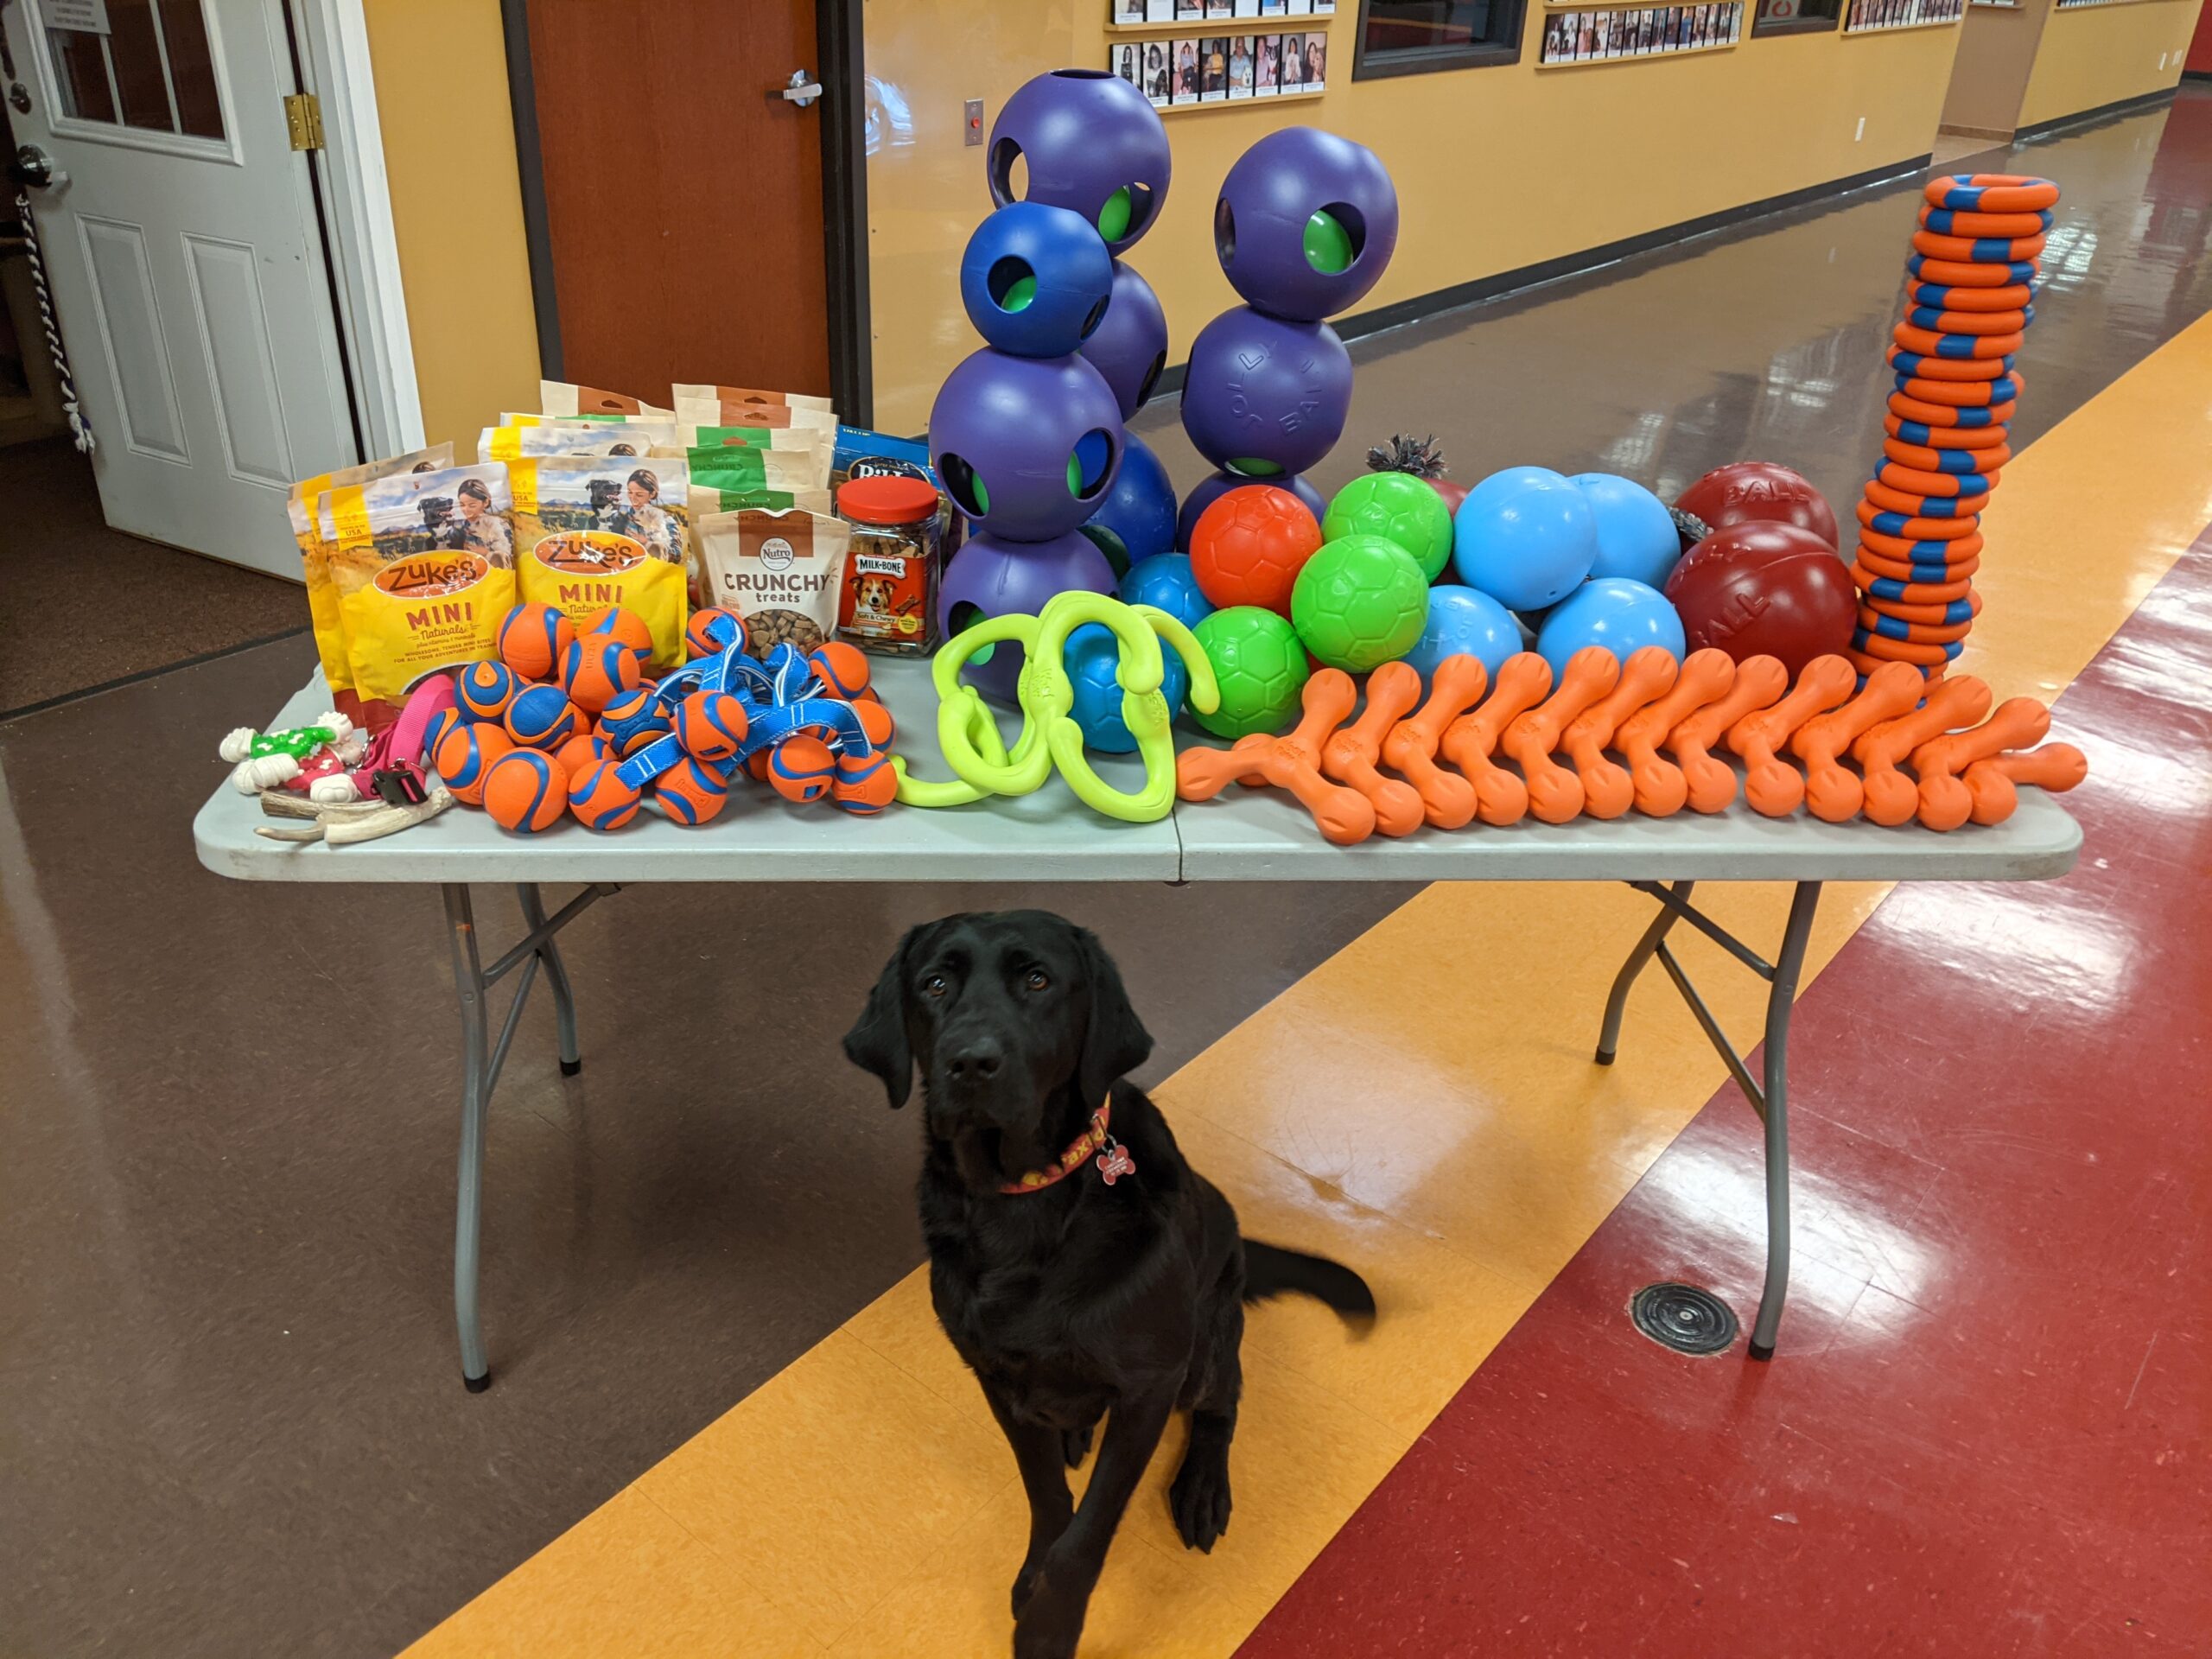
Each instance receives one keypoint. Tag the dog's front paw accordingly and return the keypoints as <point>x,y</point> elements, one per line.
<point>1025,1584</point>
<point>1199,1499</point>
<point>1050,1627</point>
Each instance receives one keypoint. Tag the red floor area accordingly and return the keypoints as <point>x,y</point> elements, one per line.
<point>1988,1428</point>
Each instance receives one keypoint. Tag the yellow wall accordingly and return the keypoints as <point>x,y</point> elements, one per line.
<point>2101,54</point>
<point>1496,168</point>
<point>1997,53</point>
<point>456,204</point>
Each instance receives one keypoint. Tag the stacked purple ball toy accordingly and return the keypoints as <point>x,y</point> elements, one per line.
<point>1306,224</point>
<point>1027,434</point>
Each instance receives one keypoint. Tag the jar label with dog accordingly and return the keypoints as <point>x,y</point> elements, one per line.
<point>601,530</point>
<point>780,571</point>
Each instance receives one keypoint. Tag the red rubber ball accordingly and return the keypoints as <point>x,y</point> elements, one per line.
<point>1747,490</point>
<point>1760,589</point>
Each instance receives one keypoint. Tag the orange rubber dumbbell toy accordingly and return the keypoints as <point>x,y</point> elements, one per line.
<point>1291,763</point>
<point>1832,789</point>
<point>1608,790</point>
<point>1349,755</point>
<point>1772,785</point>
<point>1759,681</point>
<point>1892,797</point>
<point>1659,784</point>
<point>1554,793</point>
<point>1447,800</point>
<point>1945,801</point>
<point>1524,679</point>
<point>1992,783</point>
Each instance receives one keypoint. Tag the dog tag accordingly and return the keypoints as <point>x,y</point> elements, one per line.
<point>1115,1162</point>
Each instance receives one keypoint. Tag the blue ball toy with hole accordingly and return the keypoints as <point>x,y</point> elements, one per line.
<point>1093,655</point>
<point>1636,536</point>
<point>1166,582</point>
<point>1035,280</point>
<point>1137,518</point>
<point>1463,622</point>
<point>1621,615</point>
<point>1527,537</point>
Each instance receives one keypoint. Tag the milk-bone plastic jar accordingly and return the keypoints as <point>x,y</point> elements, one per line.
<point>889,603</point>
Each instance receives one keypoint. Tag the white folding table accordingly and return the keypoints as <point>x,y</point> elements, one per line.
<point>1245,836</point>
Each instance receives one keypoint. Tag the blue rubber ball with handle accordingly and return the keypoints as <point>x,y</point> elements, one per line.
<point>1636,536</point>
<point>1526,536</point>
<point>1463,622</point>
<point>1621,615</point>
<point>1093,657</point>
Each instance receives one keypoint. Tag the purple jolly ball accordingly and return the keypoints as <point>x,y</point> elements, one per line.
<point>1210,488</point>
<point>1306,223</point>
<point>1130,345</point>
<point>1264,397</point>
<point>1091,144</point>
<point>1027,446</point>
<point>991,577</point>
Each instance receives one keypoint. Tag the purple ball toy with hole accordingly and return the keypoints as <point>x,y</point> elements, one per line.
<point>1130,345</point>
<point>993,577</point>
<point>1306,223</point>
<point>1091,144</point>
<point>1214,485</point>
<point>1026,447</point>
<point>1035,280</point>
<point>1264,396</point>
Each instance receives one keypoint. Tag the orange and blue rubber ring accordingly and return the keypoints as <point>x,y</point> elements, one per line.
<point>1936,554</point>
<point>1943,296</point>
<point>1944,614</point>
<point>1965,273</point>
<point>1961,394</point>
<point>1938,487</point>
<point>1947,348</point>
<point>1921,365</point>
<point>1930,435</point>
<point>1953,323</point>
<point>1991,192</point>
<point>1904,651</point>
<point>1897,631</point>
<point>1950,415</point>
<point>1903,591</point>
<point>1953,221</point>
<point>1917,506</point>
<point>1978,250</point>
<point>1904,527</point>
<point>1945,460</point>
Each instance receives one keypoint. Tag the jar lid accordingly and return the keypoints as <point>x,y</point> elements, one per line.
<point>888,499</point>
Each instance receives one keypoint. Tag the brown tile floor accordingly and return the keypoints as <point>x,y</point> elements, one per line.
<point>228,1398</point>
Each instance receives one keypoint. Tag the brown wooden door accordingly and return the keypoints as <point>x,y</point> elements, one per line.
<point>683,197</point>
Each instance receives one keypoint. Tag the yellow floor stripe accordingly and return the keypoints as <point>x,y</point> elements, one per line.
<point>1421,1105</point>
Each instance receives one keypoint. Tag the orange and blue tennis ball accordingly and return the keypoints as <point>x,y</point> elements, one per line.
<point>532,639</point>
<point>441,722</point>
<point>596,670</point>
<point>485,690</point>
<point>582,750</point>
<point>542,717</point>
<point>756,765</point>
<point>710,724</point>
<point>690,792</point>
<point>600,799</point>
<point>711,630</point>
<point>626,628</point>
<point>876,721</point>
<point>634,720</point>
<point>842,667</point>
<point>464,754</point>
<point>865,785</point>
<point>527,792</point>
<point>801,768</point>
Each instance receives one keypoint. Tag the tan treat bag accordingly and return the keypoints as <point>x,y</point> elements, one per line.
<point>423,563</point>
<point>707,499</point>
<point>315,552</point>
<point>783,572</point>
<point>574,438</point>
<point>561,400</point>
<point>738,465</point>
<point>594,530</point>
<point>719,395</point>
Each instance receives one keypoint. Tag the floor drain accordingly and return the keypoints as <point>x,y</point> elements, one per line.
<point>1683,1317</point>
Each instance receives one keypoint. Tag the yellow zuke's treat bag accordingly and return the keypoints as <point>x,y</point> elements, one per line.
<point>593,531</point>
<point>424,567</point>
<point>314,552</point>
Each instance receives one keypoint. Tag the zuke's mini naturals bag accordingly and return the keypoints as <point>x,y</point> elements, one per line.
<point>302,508</point>
<point>424,564</point>
<point>783,572</point>
<point>596,530</point>
<point>638,438</point>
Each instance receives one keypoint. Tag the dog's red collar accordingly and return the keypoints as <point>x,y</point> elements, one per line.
<point>1113,1158</point>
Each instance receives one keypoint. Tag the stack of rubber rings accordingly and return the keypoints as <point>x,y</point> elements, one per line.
<point>1969,303</point>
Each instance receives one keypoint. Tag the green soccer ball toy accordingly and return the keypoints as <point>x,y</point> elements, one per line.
<point>1360,603</point>
<point>1398,507</point>
<point>1260,668</point>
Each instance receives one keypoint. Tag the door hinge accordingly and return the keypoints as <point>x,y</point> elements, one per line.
<point>303,120</point>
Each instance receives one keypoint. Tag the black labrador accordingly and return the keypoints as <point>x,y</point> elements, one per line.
<point>1081,1268</point>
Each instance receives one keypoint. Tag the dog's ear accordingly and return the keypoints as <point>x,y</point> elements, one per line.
<point>1115,1042</point>
<point>878,1041</point>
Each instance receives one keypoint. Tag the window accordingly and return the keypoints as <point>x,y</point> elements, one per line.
<point>1795,16</point>
<point>152,70</point>
<point>1411,37</point>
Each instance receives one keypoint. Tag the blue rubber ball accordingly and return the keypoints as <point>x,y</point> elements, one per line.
<point>1093,657</point>
<point>1526,536</point>
<point>1463,622</point>
<point>1165,582</point>
<point>1635,536</point>
<point>1621,615</point>
<point>1035,280</point>
<point>1137,518</point>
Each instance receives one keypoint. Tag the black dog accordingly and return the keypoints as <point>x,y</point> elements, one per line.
<point>1079,1265</point>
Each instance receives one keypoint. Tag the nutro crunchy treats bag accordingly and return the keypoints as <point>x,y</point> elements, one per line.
<point>782,572</point>
<point>424,564</point>
<point>574,438</point>
<point>560,400</point>
<point>596,530</point>
<point>314,552</point>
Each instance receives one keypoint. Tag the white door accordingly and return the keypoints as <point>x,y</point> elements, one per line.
<point>181,243</point>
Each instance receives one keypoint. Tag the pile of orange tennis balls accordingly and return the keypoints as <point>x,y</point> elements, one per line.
<point>540,734</point>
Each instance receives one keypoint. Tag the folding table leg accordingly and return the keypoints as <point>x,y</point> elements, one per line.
<point>1609,1033</point>
<point>565,1003</point>
<point>475,1098</point>
<point>1775,1093</point>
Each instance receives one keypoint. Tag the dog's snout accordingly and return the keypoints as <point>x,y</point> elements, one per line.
<point>975,1061</point>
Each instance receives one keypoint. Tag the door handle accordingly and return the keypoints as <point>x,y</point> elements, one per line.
<point>33,169</point>
<point>802,89</point>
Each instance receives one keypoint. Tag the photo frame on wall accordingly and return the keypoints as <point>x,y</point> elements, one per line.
<point>1213,69</point>
<point>1184,87</point>
<point>1266,64</point>
<point>1293,76</point>
<point>1241,76</point>
<point>1157,72</point>
<point>1126,60</point>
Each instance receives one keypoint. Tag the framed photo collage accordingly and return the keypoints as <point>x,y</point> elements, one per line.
<point>1181,71</point>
